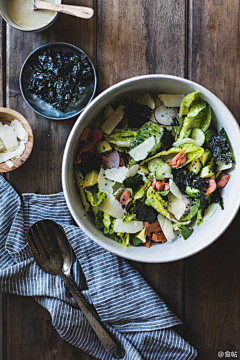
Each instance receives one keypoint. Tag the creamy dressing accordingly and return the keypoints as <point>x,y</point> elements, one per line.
<point>22,13</point>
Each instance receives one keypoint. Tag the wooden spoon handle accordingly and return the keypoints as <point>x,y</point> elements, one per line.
<point>79,11</point>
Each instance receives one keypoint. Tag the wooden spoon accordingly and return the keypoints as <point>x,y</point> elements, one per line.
<point>79,11</point>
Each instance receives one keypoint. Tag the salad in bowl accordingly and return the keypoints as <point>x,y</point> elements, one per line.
<point>152,166</point>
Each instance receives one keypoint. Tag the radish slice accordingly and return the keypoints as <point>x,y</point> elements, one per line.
<point>112,160</point>
<point>165,116</point>
<point>152,118</point>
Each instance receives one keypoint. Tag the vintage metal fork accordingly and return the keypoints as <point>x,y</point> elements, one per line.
<point>52,252</point>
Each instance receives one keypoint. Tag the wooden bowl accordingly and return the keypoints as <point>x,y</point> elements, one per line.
<point>6,117</point>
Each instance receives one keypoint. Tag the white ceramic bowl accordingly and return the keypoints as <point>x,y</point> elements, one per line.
<point>202,236</point>
<point>8,19</point>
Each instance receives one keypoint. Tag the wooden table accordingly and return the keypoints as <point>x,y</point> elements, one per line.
<point>198,40</point>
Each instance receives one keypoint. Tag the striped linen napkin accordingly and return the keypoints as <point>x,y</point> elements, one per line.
<point>116,289</point>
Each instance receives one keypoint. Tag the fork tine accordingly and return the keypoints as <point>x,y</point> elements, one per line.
<point>37,231</point>
<point>53,243</point>
<point>34,249</point>
<point>46,233</point>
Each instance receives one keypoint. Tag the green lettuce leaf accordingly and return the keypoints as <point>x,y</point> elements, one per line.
<point>199,218</point>
<point>108,223</point>
<point>146,131</point>
<point>206,121</point>
<point>142,191</point>
<point>129,217</point>
<point>179,224</point>
<point>193,211</point>
<point>164,192</point>
<point>199,116</point>
<point>125,237</point>
<point>100,196</point>
<point>192,152</point>
<point>121,137</point>
<point>193,119</point>
<point>105,222</point>
<point>79,178</point>
<point>156,201</point>
<point>188,101</point>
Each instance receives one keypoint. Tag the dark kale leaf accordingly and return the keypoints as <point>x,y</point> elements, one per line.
<point>217,198</point>
<point>126,158</point>
<point>89,162</point>
<point>133,182</point>
<point>203,202</point>
<point>144,212</point>
<point>167,140</point>
<point>219,147</point>
<point>214,166</point>
<point>137,114</point>
<point>175,122</point>
<point>185,178</point>
<point>60,78</point>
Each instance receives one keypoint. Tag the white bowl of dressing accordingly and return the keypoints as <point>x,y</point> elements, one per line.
<point>20,15</point>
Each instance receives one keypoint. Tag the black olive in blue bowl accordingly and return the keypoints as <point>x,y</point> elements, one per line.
<point>58,81</point>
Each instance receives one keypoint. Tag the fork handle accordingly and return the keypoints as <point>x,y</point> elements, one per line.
<point>107,339</point>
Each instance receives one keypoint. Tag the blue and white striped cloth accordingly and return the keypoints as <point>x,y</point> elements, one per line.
<point>128,306</point>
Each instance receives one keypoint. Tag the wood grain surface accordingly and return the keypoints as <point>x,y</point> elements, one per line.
<point>195,39</point>
<point>212,287</point>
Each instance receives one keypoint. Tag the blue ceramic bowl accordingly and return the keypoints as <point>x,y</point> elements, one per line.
<point>40,106</point>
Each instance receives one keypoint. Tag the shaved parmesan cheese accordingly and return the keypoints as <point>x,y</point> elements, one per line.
<point>187,201</point>
<point>132,170</point>
<point>4,156</point>
<point>19,130</point>
<point>170,100</point>
<point>116,174</point>
<point>161,220</point>
<point>222,166</point>
<point>113,120</point>
<point>176,206</point>
<point>121,173</point>
<point>130,227</point>
<point>141,151</point>
<point>2,147</point>
<point>9,137</point>
<point>186,141</point>
<point>175,189</point>
<point>9,163</point>
<point>210,211</point>
<point>104,184</point>
<point>147,100</point>
<point>112,207</point>
<point>167,228</point>
<point>12,140</point>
